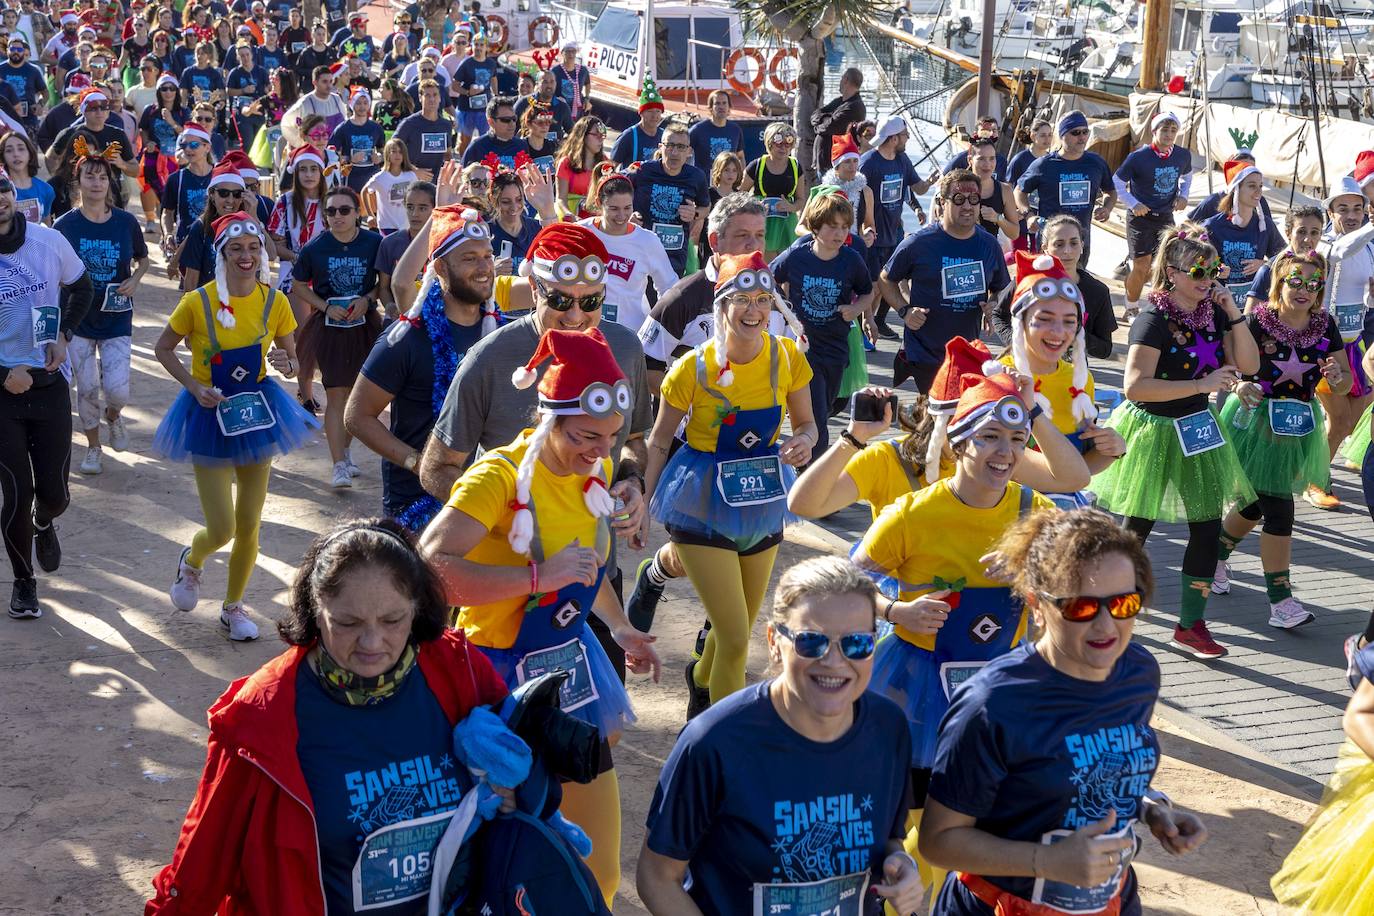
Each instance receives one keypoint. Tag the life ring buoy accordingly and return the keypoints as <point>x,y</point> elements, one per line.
<point>498,33</point>
<point>732,67</point>
<point>539,22</point>
<point>775,65</point>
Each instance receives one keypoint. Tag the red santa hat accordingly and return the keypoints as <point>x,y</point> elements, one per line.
<point>226,174</point>
<point>1039,278</point>
<point>245,166</point>
<point>228,228</point>
<point>582,379</point>
<point>69,17</point>
<point>566,253</point>
<point>987,399</point>
<point>359,16</point>
<point>449,227</point>
<point>962,357</point>
<point>843,147</point>
<point>359,92</point>
<point>1364,168</point>
<point>89,96</point>
<point>168,79</point>
<point>1235,172</point>
<point>747,273</point>
<point>306,153</point>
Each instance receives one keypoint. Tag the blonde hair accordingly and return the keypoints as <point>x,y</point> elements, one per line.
<point>826,210</point>
<point>772,130</point>
<point>821,577</point>
<point>1283,265</point>
<point>1181,247</point>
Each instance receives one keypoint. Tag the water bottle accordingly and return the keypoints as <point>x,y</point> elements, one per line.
<point>1243,416</point>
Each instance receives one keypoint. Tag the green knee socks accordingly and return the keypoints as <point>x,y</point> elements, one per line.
<point>1228,546</point>
<point>1278,585</point>
<point>1193,603</point>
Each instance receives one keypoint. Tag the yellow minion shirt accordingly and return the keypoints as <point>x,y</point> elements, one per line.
<point>881,476</point>
<point>485,493</point>
<point>931,533</point>
<point>188,320</point>
<point>1055,387</point>
<point>751,390</point>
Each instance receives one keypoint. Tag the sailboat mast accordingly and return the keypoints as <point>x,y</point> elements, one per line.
<point>985,65</point>
<point>1155,37</point>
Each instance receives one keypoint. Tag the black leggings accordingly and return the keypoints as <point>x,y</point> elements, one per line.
<point>1204,544</point>
<point>35,456</point>
<point>1277,512</point>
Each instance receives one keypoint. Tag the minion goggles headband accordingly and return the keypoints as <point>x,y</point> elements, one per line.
<point>746,281</point>
<point>598,400</point>
<point>569,268</point>
<point>234,230</point>
<point>1009,411</point>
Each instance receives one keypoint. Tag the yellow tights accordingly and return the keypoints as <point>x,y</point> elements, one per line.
<point>595,808</point>
<point>731,588</point>
<point>932,876</point>
<point>229,519</point>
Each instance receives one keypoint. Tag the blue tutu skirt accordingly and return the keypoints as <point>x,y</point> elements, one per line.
<point>910,677</point>
<point>687,499</point>
<point>190,432</point>
<point>610,711</point>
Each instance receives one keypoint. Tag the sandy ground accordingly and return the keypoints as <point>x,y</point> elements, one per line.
<point>103,716</point>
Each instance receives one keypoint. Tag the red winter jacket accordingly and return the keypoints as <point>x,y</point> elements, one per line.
<point>248,845</point>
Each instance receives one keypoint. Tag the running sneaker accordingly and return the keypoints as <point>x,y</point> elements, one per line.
<point>643,603</point>
<point>1289,613</point>
<point>150,227</point>
<point>46,547</point>
<point>698,698</point>
<point>342,478</point>
<point>1197,641</point>
<point>1321,499</point>
<point>235,618</point>
<point>185,591</point>
<point>869,346</point>
<point>353,469</point>
<point>90,465</point>
<point>1352,671</point>
<point>119,435</point>
<point>1130,314</point>
<point>309,404</point>
<point>1221,582</point>
<point>24,600</point>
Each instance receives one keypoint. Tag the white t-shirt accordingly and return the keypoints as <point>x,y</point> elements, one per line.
<point>390,191</point>
<point>635,257</point>
<point>31,278</point>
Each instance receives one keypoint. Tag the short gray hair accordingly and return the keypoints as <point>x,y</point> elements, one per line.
<point>730,206</point>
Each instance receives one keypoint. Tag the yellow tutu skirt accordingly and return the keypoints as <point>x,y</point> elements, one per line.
<point>1331,870</point>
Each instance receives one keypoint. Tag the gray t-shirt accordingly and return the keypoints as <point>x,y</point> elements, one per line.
<point>484,409</point>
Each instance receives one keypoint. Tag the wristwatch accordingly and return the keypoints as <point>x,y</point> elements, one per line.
<point>412,462</point>
<point>903,312</point>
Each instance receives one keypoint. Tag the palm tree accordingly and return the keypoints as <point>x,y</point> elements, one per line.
<point>807,24</point>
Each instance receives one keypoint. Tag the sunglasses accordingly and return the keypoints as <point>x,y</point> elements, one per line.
<point>1084,608</point>
<point>193,145</point>
<point>1198,272</point>
<point>785,138</point>
<point>562,302</point>
<point>205,122</point>
<point>1079,132</point>
<point>1312,286</point>
<point>677,147</point>
<point>225,193</point>
<point>810,644</point>
<point>508,119</point>
<point>338,211</point>
<point>479,182</point>
<point>96,107</point>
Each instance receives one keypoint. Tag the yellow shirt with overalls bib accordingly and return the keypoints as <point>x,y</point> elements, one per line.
<point>881,475</point>
<point>752,387</point>
<point>1055,387</point>
<point>188,320</point>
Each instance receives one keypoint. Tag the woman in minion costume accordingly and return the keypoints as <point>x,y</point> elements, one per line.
<point>1048,342</point>
<point>723,496</point>
<point>230,420</point>
<point>522,547</point>
<point>1277,424</point>
<point>950,616</point>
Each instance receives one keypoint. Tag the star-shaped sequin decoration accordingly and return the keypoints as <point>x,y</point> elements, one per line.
<point>1291,368</point>
<point>1205,352</point>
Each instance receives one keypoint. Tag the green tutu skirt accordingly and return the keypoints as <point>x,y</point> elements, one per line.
<point>856,374</point>
<point>1154,480</point>
<point>1358,443</point>
<point>1278,465</point>
<point>779,232</point>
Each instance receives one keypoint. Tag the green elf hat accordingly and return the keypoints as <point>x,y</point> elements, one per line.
<point>822,190</point>
<point>650,98</point>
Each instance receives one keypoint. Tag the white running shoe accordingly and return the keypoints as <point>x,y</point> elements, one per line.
<point>1289,613</point>
<point>1352,670</point>
<point>119,436</point>
<point>1221,582</point>
<point>241,627</point>
<point>353,469</point>
<point>185,591</point>
<point>90,465</point>
<point>342,478</point>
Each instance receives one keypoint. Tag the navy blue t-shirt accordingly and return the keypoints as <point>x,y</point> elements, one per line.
<point>950,277</point>
<point>747,801</point>
<point>1153,179</point>
<point>817,290</point>
<point>487,143</point>
<point>657,198</point>
<point>1068,186</point>
<point>28,84</point>
<point>185,193</point>
<point>240,78</point>
<point>390,251</point>
<point>889,179</point>
<point>960,161</point>
<point>405,370</point>
<point>1259,287</point>
<point>1034,754</point>
<point>427,142</point>
<point>106,249</point>
<point>202,81</point>
<point>197,255</point>
<point>1234,244</point>
<point>370,768</point>
<point>1018,164</point>
<point>270,59</point>
<point>634,145</point>
<point>1210,206</point>
<point>471,73</point>
<point>335,269</point>
<point>519,243</point>
<point>356,143</point>
<point>709,141</point>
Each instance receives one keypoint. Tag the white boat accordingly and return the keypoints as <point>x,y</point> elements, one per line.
<point>1027,33</point>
